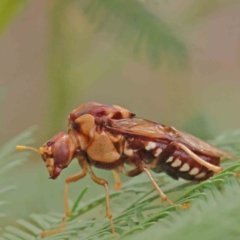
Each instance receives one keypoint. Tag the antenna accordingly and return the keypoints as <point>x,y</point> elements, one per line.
<point>20,148</point>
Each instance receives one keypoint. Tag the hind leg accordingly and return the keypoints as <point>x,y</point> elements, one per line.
<point>158,189</point>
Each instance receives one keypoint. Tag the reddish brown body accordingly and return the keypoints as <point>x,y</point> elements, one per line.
<point>138,142</point>
<point>109,137</point>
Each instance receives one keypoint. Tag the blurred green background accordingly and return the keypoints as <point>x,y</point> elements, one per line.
<point>177,63</point>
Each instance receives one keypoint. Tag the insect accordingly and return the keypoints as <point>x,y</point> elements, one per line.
<point>109,137</point>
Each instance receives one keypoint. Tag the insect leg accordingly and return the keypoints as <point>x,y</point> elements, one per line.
<point>104,183</point>
<point>134,172</point>
<point>118,185</point>
<point>160,192</point>
<point>68,180</point>
<point>210,166</point>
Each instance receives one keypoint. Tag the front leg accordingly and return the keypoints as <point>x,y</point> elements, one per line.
<point>69,180</point>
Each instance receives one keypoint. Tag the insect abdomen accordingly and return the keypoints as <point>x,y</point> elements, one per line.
<point>178,165</point>
<point>141,151</point>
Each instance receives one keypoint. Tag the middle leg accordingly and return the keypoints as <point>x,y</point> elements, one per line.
<point>104,183</point>
<point>132,173</point>
<point>118,185</point>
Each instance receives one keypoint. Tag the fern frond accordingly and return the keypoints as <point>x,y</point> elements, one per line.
<point>139,213</point>
<point>136,28</point>
<point>214,215</point>
<point>9,158</point>
<point>200,10</point>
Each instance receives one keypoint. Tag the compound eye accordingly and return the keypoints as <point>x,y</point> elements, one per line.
<point>60,153</point>
<point>49,143</point>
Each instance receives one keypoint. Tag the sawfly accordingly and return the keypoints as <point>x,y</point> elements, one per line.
<point>109,137</point>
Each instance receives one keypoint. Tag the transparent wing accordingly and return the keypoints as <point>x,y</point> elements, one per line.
<point>202,146</point>
<point>156,132</point>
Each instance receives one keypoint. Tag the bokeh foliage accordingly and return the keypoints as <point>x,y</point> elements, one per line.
<point>91,37</point>
<point>128,29</point>
<point>8,10</point>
